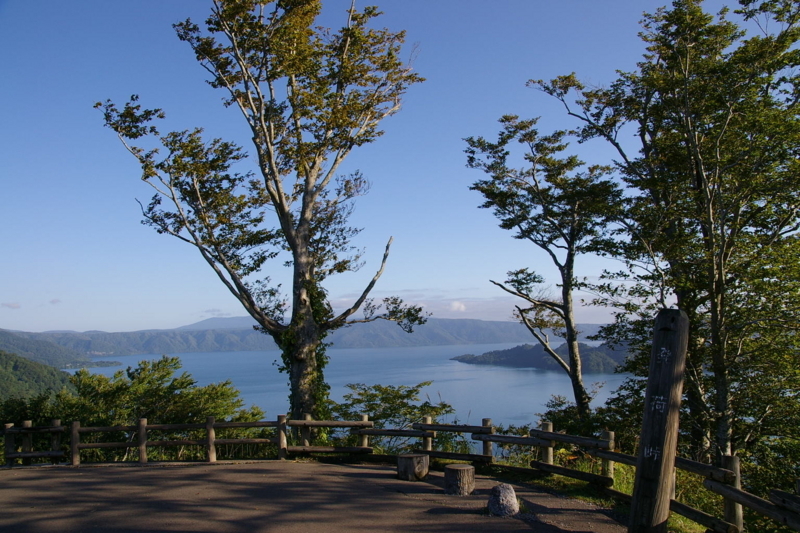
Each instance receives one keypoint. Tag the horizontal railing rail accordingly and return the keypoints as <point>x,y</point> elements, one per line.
<point>782,507</point>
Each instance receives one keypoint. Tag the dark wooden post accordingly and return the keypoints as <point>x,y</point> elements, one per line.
<point>74,443</point>
<point>305,431</point>
<point>427,442</point>
<point>547,451</point>
<point>55,439</point>
<point>142,431</point>
<point>655,464</point>
<point>607,465</point>
<point>282,444</point>
<point>364,439</point>
<point>733,510</point>
<point>487,445</point>
<point>11,445</point>
<point>27,441</point>
<point>211,436</point>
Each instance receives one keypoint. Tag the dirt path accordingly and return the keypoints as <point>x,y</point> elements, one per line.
<point>284,496</point>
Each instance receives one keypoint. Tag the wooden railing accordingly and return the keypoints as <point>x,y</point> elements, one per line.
<point>142,442</point>
<point>782,507</point>
<point>25,434</point>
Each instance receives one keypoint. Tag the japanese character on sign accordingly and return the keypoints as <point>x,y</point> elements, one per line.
<point>653,452</point>
<point>658,403</point>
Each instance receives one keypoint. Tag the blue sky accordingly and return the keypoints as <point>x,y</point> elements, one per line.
<point>74,255</point>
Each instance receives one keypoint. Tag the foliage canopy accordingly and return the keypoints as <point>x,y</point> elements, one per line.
<point>560,207</point>
<point>309,96</point>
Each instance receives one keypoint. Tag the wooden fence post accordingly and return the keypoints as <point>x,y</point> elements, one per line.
<point>282,444</point>
<point>607,465</point>
<point>305,431</point>
<point>655,464</point>
<point>487,445</point>
<point>427,442</point>
<point>364,439</point>
<point>211,436</point>
<point>74,442</point>
<point>27,442</point>
<point>547,451</point>
<point>733,510</point>
<point>142,431</point>
<point>55,439</point>
<point>10,444</point>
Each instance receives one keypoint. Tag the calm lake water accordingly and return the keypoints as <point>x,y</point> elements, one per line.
<point>506,395</point>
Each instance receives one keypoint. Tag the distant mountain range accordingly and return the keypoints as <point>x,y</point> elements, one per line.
<point>42,351</point>
<point>237,334</point>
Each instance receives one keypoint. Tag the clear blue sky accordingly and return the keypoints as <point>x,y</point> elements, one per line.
<point>74,255</point>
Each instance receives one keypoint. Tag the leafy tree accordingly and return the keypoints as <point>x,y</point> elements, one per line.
<point>309,96</point>
<point>559,208</point>
<point>390,407</point>
<point>713,214</point>
<point>151,390</point>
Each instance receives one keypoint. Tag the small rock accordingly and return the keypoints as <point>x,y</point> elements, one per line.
<point>503,500</point>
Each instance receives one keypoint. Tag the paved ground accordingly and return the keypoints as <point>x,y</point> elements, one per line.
<point>279,496</point>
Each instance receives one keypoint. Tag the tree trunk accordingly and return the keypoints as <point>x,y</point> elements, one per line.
<point>303,376</point>
<point>719,360</point>
<point>303,340</point>
<point>582,399</point>
<point>699,437</point>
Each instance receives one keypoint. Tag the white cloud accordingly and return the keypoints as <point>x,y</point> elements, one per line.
<point>458,307</point>
<point>445,304</point>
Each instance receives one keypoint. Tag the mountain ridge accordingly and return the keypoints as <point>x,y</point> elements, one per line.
<point>237,334</point>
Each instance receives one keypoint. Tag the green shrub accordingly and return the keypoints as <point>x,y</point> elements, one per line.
<point>395,407</point>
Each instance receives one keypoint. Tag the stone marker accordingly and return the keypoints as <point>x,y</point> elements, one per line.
<point>412,466</point>
<point>503,500</point>
<point>459,479</point>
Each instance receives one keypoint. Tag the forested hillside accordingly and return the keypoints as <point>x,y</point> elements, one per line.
<point>42,350</point>
<point>22,378</point>
<point>100,343</point>
<point>596,359</point>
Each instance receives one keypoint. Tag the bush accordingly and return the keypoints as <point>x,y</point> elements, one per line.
<point>152,391</point>
<point>391,407</point>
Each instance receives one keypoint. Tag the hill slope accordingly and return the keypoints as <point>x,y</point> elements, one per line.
<point>596,359</point>
<point>22,378</point>
<point>41,350</point>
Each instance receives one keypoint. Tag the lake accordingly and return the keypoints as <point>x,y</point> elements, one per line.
<point>506,395</point>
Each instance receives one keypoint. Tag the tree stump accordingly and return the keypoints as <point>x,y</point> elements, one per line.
<point>412,466</point>
<point>459,479</point>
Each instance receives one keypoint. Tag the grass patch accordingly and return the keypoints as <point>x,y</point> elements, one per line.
<point>624,476</point>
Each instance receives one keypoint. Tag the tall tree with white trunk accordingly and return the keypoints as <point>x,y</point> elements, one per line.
<point>309,96</point>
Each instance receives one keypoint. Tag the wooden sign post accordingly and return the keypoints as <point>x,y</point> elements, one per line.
<point>655,465</point>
